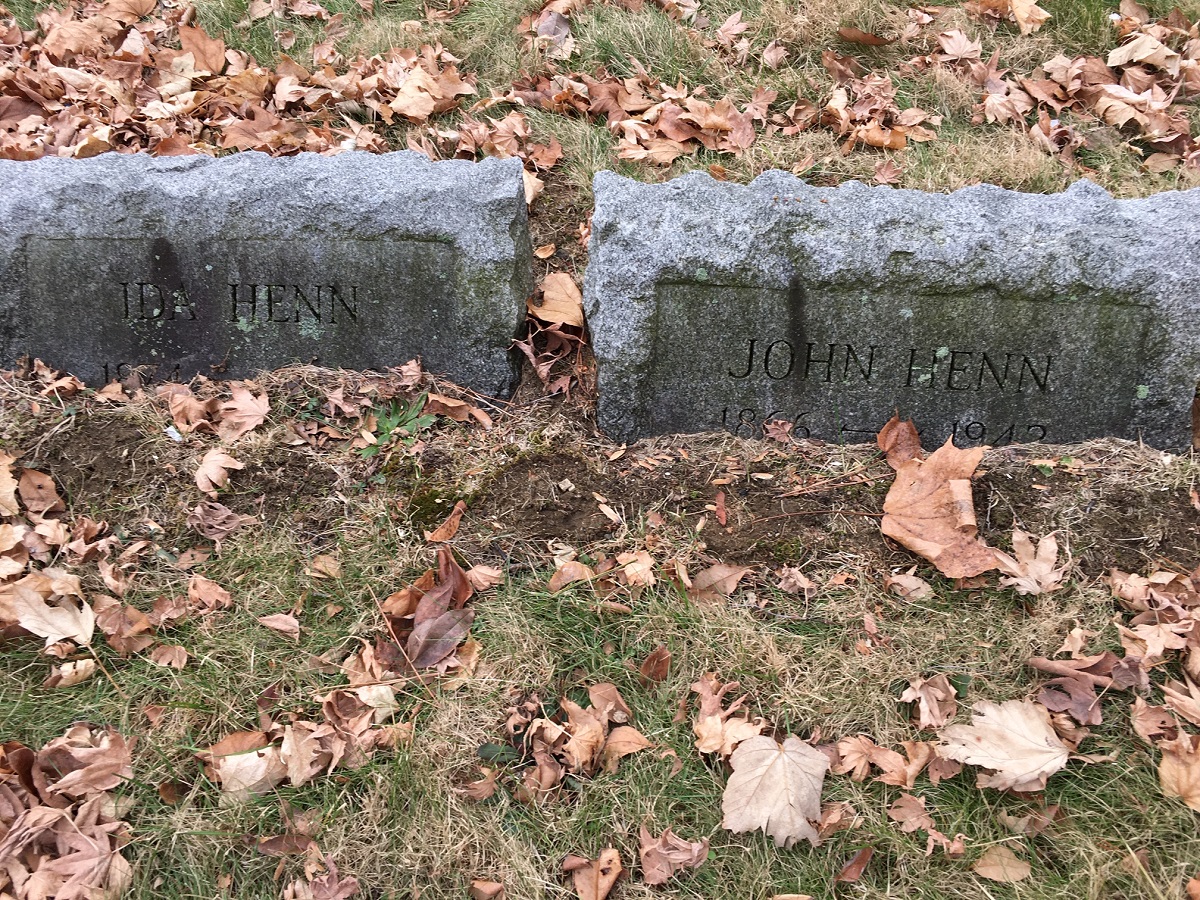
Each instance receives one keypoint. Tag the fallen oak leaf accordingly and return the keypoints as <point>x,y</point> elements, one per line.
<point>929,510</point>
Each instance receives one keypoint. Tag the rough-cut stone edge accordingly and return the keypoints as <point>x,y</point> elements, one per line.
<point>642,233</point>
<point>479,207</point>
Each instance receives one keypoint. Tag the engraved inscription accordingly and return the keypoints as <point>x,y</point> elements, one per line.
<point>146,302</point>
<point>284,303</point>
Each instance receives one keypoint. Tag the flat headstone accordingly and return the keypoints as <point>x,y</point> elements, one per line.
<point>226,266</point>
<point>993,316</point>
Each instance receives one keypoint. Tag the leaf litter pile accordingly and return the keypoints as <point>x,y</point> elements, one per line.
<point>486,653</point>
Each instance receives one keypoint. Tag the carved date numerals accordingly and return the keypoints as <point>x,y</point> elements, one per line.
<point>980,433</point>
<point>748,423</point>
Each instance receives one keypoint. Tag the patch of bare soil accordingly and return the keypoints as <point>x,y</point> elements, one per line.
<point>1109,504</point>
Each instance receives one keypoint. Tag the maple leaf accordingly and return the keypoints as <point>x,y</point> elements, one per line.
<point>1033,572</point>
<point>730,29</point>
<point>1015,739</point>
<point>1183,698</point>
<point>63,621</point>
<point>594,879</point>
<point>910,813</point>
<point>935,698</point>
<point>774,54</point>
<point>214,470</point>
<point>718,730</point>
<point>776,788</point>
<point>1153,724</point>
<point>92,760</point>
<point>216,520</point>
<point>169,656</point>
<point>664,856</point>
<point>244,764</point>
<point>206,595</point>
<point>929,510</point>
<point>242,413</point>
<point>621,741</point>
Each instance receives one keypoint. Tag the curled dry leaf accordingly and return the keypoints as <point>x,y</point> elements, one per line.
<point>655,667</point>
<point>214,469</point>
<point>449,528</point>
<point>170,656</point>
<point>594,878</point>
<point>39,494</point>
<point>854,868</point>
<point>935,700</point>
<point>622,741</point>
<point>70,674</point>
<point>486,890</point>
<point>562,303</point>
<point>1033,572</point>
<point>65,620</point>
<point>1014,739</point>
<point>776,788</point>
<point>929,509</point>
<point>483,578</point>
<point>908,585</point>
<point>719,730</point>
<point>900,441</point>
<point>668,854</point>
<point>206,596</point>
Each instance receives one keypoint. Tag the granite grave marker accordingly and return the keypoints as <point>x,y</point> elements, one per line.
<point>226,266</point>
<point>989,315</point>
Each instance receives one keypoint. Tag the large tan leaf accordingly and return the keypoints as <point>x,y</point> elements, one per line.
<point>214,470</point>
<point>929,509</point>
<point>1015,739</point>
<point>1179,771</point>
<point>776,788</point>
<point>1001,864</point>
<point>1030,17</point>
<point>242,413</point>
<point>54,623</point>
<point>561,301</point>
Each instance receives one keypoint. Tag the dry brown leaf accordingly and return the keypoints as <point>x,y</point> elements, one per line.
<point>562,303</point>
<point>70,674</point>
<point>484,578</point>
<point>1179,769</point>
<point>594,879</point>
<point>568,573</point>
<point>668,854</point>
<point>655,667</point>
<point>206,596</point>
<point>486,890</point>
<point>8,487</point>
<point>776,788</point>
<point>622,741</point>
<point>999,863</point>
<point>718,730</point>
<point>1033,572</point>
<point>929,510</point>
<point>170,656</point>
<point>62,621</point>
<point>853,870</point>
<point>242,413</point>
<point>900,441</point>
<point>908,585</point>
<point>214,469</point>
<point>935,698</point>
<point>717,581</point>
<point>39,494</point>
<point>1015,739</point>
<point>284,623</point>
<point>910,813</point>
<point>449,528</point>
